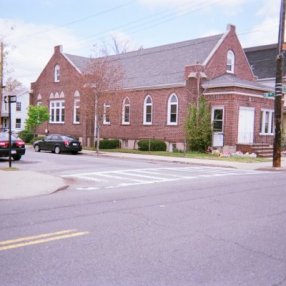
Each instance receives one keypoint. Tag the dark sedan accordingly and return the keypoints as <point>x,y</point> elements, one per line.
<point>17,147</point>
<point>58,143</point>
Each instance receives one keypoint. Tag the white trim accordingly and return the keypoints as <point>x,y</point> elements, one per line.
<point>237,93</point>
<point>216,47</point>
<point>230,56</point>
<point>145,110</point>
<point>124,104</point>
<point>241,85</point>
<point>271,121</point>
<point>169,110</point>
<point>77,69</point>
<point>217,107</point>
<point>161,86</point>
<point>76,105</point>
<point>105,106</point>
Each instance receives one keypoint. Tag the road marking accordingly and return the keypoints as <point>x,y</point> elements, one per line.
<point>41,238</point>
<point>133,177</point>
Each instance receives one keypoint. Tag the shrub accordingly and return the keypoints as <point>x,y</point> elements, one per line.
<point>152,145</point>
<point>26,136</point>
<point>109,144</point>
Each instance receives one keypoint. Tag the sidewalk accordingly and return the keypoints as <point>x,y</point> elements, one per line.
<point>16,184</point>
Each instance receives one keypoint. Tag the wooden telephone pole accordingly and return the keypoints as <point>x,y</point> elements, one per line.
<point>278,87</point>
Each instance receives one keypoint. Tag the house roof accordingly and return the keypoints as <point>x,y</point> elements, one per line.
<point>230,80</point>
<point>159,65</point>
<point>263,60</point>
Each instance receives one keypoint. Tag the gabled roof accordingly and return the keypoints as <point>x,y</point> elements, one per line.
<point>230,80</point>
<point>263,60</point>
<point>158,66</point>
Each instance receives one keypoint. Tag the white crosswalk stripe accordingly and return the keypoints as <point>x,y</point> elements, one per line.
<point>132,177</point>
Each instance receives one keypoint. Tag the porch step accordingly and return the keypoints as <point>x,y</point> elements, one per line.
<point>260,149</point>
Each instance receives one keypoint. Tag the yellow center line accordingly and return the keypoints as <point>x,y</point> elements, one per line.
<point>42,238</point>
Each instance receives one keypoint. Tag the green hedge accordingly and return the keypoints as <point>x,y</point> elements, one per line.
<point>109,144</point>
<point>26,136</point>
<point>152,145</point>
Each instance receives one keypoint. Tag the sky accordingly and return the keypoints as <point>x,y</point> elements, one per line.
<point>30,29</point>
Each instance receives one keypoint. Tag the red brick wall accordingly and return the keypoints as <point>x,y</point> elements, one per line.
<point>159,128</point>
<point>69,83</point>
<point>217,64</point>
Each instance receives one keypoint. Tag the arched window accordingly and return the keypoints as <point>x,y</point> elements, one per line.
<point>126,111</point>
<point>230,62</point>
<point>57,73</point>
<point>76,108</point>
<point>148,104</point>
<point>172,110</point>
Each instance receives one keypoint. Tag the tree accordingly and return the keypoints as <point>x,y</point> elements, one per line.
<point>198,126</point>
<point>102,79</point>
<point>36,116</point>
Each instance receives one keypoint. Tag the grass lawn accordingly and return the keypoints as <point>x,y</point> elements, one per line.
<point>196,155</point>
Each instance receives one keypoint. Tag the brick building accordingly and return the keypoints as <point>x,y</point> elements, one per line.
<point>158,86</point>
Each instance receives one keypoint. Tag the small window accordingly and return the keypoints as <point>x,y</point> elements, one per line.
<point>126,111</point>
<point>18,123</point>
<point>18,106</point>
<point>106,114</point>
<point>57,73</point>
<point>148,104</point>
<point>230,62</point>
<point>217,119</point>
<point>267,122</point>
<point>172,110</point>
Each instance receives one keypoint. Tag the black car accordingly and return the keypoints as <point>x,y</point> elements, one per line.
<point>17,146</point>
<point>58,143</point>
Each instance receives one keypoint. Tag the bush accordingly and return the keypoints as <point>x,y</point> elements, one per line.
<point>26,136</point>
<point>154,145</point>
<point>109,144</point>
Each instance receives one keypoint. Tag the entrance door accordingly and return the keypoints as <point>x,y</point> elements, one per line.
<point>245,125</point>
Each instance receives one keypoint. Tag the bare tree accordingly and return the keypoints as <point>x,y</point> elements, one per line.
<point>102,80</point>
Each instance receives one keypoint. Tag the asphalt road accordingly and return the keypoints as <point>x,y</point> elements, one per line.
<point>131,222</point>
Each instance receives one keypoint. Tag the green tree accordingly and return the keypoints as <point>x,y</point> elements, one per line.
<point>36,116</point>
<point>198,126</point>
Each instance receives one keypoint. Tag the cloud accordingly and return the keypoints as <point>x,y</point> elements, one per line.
<point>266,30</point>
<point>30,46</point>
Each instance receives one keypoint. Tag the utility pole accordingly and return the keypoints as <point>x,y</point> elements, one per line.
<point>1,76</point>
<point>278,87</point>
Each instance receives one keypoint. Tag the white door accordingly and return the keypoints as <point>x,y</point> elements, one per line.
<point>245,125</point>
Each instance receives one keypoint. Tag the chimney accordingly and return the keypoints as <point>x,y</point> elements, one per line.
<point>58,49</point>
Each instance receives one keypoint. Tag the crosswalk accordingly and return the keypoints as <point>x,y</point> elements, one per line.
<point>131,177</point>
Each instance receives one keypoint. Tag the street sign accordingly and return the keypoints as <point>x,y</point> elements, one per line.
<point>269,94</point>
<point>10,98</point>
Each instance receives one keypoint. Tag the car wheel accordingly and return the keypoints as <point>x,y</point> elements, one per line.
<point>57,150</point>
<point>17,157</point>
<point>37,148</point>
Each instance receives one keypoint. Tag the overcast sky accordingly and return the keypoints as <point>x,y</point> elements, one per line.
<point>31,28</point>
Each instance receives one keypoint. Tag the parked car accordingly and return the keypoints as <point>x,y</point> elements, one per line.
<point>58,143</point>
<point>17,149</point>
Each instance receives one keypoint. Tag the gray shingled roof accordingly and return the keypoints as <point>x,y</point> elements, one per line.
<point>228,80</point>
<point>158,66</point>
<point>263,60</point>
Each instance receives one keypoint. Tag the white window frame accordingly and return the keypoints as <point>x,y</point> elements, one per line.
<point>263,122</point>
<point>76,111</point>
<point>53,111</point>
<point>214,108</point>
<point>57,73</point>
<point>230,61</point>
<point>18,125</point>
<point>18,106</point>
<point>106,111</point>
<point>146,105</point>
<point>125,105</point>
<point>169,113</point>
